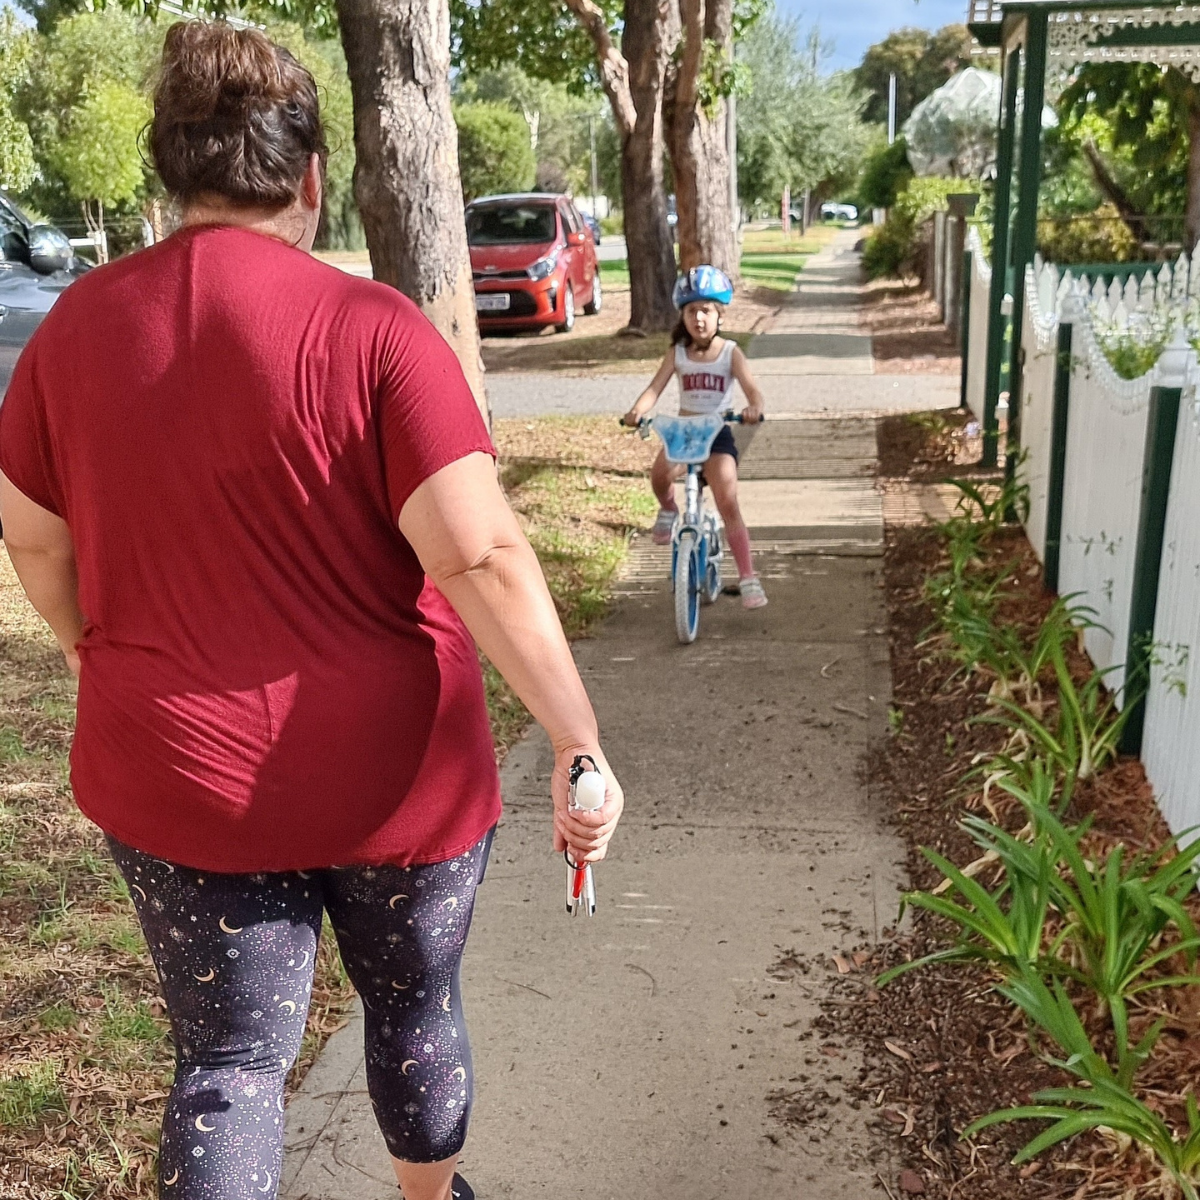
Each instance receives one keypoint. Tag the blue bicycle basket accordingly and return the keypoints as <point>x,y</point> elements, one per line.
<point>688,439</point>
<point>702,283</point>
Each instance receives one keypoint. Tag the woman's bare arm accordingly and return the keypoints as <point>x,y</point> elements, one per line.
<point>649,398</point>
<point>472,547</point>
<point>43,556</point>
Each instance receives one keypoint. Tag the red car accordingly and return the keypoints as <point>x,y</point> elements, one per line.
<point>533,261</point>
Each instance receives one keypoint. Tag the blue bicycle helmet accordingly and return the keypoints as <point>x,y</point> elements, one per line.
<point>702,283</point>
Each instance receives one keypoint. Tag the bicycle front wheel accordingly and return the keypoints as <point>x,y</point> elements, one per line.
<point>687,588</point>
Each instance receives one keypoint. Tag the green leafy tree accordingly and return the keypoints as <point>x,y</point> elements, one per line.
<point>557,120</point>
<point>1138,127</point>
<point>494,150</point>
<point>885,173</point>
<point>921,61</point>
<point>83,71</point>
<point>18,167</point>
<point>98,156</point>
<point>797,128</point>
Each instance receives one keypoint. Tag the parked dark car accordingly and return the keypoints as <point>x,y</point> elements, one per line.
<point>533,262</point>
<point>592,224</point>
<point>36,264</point>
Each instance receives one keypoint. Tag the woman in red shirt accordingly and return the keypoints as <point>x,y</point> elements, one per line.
<point>255,501</point>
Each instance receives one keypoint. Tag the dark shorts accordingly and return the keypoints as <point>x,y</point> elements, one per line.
<point>725,443</point>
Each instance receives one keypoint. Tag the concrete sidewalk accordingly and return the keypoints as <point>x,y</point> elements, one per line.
<point>641,1054</point>
<point>801,362</point>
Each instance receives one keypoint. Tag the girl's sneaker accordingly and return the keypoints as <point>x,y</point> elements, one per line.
<point>660,535</point>
<point>753,595</point>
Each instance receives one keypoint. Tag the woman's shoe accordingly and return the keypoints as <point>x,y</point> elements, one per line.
<point>753,595</point>
<point>460,1189</point>
<point>664,525</point>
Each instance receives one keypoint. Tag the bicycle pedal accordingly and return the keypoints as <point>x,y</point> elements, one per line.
<point>731,589</point>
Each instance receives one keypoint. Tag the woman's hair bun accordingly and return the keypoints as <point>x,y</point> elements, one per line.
<point>235,115</point>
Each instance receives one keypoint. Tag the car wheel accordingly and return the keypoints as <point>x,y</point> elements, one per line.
<point>568,321</point>
<point>596,303</point>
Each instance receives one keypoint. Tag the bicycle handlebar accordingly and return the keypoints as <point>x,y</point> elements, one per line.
<point>731,418</point>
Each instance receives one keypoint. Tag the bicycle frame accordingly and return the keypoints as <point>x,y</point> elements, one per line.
<point>697,532</point>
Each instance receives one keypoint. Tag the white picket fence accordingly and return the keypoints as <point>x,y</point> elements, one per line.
<point>1102,494</point>
<point>980,285</point>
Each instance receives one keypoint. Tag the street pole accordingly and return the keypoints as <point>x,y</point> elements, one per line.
<point>892,108</point>
<point>595,177</point>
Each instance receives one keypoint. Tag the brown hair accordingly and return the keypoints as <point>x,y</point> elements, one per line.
<point>234,115</point>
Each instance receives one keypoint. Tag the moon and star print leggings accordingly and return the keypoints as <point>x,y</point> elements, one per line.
<point>234,955</point>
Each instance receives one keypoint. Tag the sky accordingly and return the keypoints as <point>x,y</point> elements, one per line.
<point>853,25</point>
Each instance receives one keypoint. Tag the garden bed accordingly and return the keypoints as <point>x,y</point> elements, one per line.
<point>941,1047</point>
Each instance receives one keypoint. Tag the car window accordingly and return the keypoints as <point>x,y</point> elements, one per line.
<point>574,224</point>
<point>14,244</point>
<point>506,225</point>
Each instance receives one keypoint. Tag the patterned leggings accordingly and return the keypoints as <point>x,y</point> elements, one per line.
<point>234,955</point>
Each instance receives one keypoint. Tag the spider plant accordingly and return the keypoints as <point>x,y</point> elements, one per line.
<point>1005,927</point>
<point>1085,732</point>
<point>1117,913</point>
<point>1105,1100</point>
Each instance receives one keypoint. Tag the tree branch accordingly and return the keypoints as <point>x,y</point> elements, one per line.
<point>614,69</point>
<point>1114,192</point>
<point>687,87</point>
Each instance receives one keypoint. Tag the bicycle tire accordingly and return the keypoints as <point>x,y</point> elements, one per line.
<point>687,589</point>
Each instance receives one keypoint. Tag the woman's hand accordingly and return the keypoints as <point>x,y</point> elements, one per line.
<point>585,834</point>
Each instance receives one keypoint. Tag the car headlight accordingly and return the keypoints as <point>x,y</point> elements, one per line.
<point>544,266</point>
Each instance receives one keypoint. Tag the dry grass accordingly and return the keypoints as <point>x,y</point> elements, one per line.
<point>85,1055</point>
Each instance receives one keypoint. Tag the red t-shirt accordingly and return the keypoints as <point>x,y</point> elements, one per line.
<point>230,429</point>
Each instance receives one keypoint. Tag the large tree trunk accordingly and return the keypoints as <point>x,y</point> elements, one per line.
<point>647,43</point>
<point>406,177</point>
<point>698,145</point>
<point>633,79</point>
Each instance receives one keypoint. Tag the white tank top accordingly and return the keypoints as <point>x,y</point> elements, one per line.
<point>705,387</point>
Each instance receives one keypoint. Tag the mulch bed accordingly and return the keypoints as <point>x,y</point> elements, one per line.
<point>908,335</point>
<point>940,1047</point>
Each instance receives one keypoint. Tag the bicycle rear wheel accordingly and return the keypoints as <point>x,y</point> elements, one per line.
<point>687,588</point>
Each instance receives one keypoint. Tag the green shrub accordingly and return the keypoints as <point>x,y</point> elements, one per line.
<point>494,150</point>
<point>885,172</point>
<point>1098,237</point>
<point>894,250</point>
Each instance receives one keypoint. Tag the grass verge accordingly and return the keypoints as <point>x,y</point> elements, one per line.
<point>85,1056</point>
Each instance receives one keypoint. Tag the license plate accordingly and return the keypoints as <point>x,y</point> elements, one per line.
<point>497,302</point>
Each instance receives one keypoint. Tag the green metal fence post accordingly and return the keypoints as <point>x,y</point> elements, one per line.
<point>1161,424</point>
<point>1024,239</point>
<point>1003,205</point>
<point>1058,457</point>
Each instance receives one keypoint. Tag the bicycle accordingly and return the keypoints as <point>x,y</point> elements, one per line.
<point>697,544</point>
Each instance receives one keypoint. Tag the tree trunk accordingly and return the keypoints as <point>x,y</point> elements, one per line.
<point>647,44</point>
<point>633,79</point>
<point>1192,234</point>
<point>406,179</point>
<point>698,145</point>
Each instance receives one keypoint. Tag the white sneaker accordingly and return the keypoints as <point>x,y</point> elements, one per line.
<point>753,595</point>
<point>663,526</point>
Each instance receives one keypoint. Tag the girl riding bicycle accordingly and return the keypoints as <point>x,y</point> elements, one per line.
<point>707,366</point>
